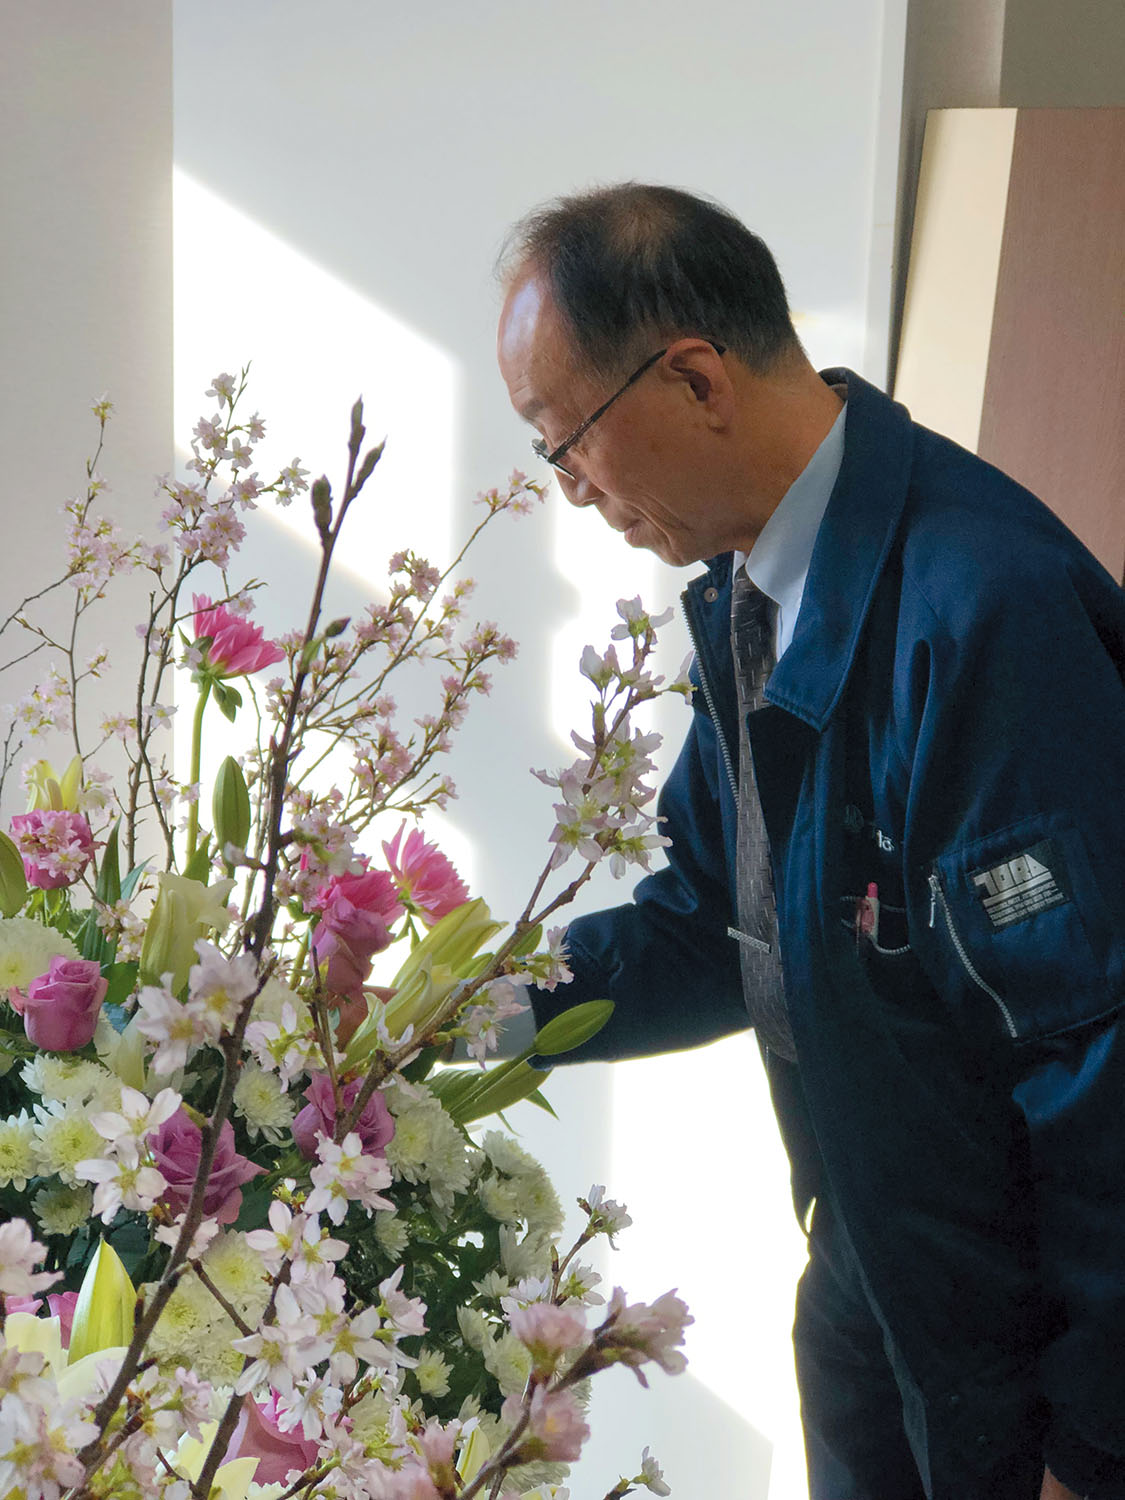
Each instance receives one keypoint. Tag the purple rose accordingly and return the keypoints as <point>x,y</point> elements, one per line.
<point>61,1009</point>
<point>56,846</point>
<point>176,1148</point>
<point>374,1127</point>
<point>259,1436</point>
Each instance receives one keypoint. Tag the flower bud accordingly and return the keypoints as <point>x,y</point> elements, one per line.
<point>230,806</point>
<point>453,941</point>
<point>103,1315</point>
<point>573,1027</point>
<point>13,881</point>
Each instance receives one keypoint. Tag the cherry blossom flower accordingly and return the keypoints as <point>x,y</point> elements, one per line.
<point>56,846</point>
<point>345,1173</point>
<point>19,1254</point>
<point>555,1429</point>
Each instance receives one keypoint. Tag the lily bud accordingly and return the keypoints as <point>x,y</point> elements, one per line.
<point>453,942</point>
<point>13,881</point>
<point>103,1315</point>
<point>230,806</point>
<point>573,1027</point>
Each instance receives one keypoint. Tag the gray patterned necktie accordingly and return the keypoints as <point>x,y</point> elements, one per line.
<point>752,642</point>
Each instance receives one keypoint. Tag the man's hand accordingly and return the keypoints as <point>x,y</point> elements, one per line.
<point>1053,1490</point>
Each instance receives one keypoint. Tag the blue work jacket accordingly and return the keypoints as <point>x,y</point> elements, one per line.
<point>948,725</point>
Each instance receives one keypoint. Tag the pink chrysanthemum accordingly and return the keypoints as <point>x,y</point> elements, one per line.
<point>427,883</point>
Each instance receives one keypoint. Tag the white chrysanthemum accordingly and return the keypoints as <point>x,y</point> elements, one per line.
<point>506,1156</point>
<point>527,1257</point>
<point>26,951</point>
<point>71,1079</point>
<point>499,1197</point>
<point>538,1202</point>
<point>371,1421</point>
<point>275,995</point>
<point>428,1147</point>
<point>474,1326</point>
<point>62,1210</point>
<point>237,1271</point>
<point>432,1373</point>
<point>492,1284</point>
<point>64,1136</point>
<point>509,1362</point>
<point>262,1102</point>
<point>391,1234</point>
<point>193,1331</point>
<point>18,1160</point>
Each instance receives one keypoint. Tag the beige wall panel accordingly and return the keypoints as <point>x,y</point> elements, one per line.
<point>954,263</point>
<point>1054,410</point>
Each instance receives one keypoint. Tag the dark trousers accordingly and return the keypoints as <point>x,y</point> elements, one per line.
<point>858,1403</point>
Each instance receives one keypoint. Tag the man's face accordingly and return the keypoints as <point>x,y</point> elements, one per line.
<point>644,464</point>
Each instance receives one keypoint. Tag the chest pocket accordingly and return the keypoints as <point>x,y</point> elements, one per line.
<point>1018,922</point>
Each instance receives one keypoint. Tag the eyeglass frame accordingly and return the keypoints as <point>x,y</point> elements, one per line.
<point>539,445</point>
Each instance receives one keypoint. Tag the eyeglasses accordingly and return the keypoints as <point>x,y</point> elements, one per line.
<point>554,458</point>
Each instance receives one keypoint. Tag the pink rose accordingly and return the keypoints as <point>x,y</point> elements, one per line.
<point>60,1012</point>
<point>427,882</point>
<point>237,646</point>
<point>356,912</point>
<point>176,1147</point>
<point>259,1436</point>
<point>56,846</point>
<point>374,1127</point>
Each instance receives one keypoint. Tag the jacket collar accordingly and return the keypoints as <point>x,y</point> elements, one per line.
<point>851,550</point>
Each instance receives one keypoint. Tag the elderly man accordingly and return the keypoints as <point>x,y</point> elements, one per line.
<point>898,846</point>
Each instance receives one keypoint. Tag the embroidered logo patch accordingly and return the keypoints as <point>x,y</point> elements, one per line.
<point>1025,885</point>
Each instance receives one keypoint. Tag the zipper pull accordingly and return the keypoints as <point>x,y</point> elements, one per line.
<point>934,888</point>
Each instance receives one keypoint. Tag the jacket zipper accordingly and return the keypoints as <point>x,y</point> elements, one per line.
<point>937,897</point>
<point>708,697</point>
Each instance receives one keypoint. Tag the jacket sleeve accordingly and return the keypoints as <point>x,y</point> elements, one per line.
<point>664,958</point>
<point>1017,867</point>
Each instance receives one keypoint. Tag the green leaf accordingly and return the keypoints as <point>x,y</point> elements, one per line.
<point>199,865</point>
<point>543,1102</point>
<point>122,982</point>
<point>91,939</point>
<point>228,698</point>
<point>529,942</point>
<point>572,1028</point>
<point>500,1088</point>
<point>129,884</point>
<point>109,871</point>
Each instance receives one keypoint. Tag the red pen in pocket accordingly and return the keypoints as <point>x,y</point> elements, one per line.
<point>867,915</point>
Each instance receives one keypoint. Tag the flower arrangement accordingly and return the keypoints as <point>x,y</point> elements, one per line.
<point>255,1239</point>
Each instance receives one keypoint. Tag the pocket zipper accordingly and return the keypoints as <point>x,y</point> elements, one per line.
<point>937,897</point>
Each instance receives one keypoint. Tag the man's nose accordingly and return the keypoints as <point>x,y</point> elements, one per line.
<point>581,492</point>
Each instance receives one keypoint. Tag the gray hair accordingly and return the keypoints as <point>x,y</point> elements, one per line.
<point>633,266</point>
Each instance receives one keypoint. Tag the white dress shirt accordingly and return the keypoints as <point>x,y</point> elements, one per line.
<point>779,560</point>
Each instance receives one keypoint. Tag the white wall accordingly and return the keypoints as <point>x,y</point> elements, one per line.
<point>85,289</point>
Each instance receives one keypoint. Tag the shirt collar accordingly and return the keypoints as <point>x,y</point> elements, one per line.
<point>779,561</point>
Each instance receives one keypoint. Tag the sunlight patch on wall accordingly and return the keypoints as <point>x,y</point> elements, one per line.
<point>315,343</point>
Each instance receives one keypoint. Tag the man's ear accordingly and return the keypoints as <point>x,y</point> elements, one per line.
<point>699,365</point>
